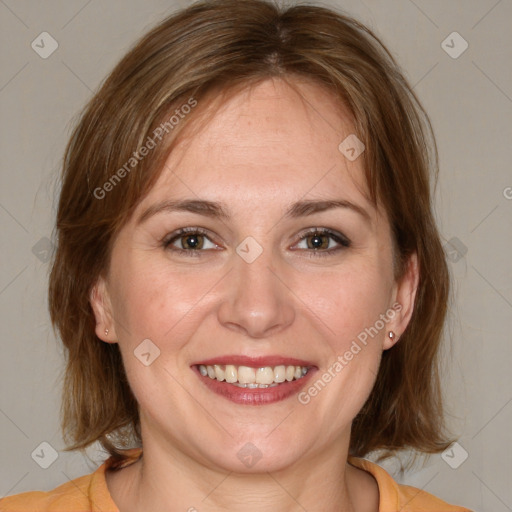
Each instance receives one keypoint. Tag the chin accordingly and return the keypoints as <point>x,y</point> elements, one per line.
<point>252,454</point>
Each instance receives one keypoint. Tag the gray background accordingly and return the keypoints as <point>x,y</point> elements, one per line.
<point>469,99</point>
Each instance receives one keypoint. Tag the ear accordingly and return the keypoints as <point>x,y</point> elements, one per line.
<point>102,308</point>
<point>404,293</point>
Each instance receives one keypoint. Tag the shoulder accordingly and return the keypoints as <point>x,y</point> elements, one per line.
<point>73,495</point>
<point>86,493</point>
<point>394,497</point>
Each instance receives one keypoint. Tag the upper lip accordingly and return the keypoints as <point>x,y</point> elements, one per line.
<point>256,362</point>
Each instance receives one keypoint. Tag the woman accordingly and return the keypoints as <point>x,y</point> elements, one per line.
<point>249,280</point>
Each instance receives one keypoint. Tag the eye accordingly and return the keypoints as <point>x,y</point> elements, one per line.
<point>318,241</point>
<point>192,241</point>
<point>189,241</point>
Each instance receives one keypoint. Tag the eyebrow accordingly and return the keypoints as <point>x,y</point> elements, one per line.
<point>215,209</point>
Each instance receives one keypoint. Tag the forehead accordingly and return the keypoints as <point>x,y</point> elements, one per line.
<point>269,143</point>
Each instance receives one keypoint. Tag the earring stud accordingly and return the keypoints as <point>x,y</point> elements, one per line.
<point>106,332</point>
<point>391,335</point>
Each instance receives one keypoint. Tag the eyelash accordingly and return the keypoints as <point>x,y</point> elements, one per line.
<point>340,239</point>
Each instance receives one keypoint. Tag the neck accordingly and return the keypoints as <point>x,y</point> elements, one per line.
<point>170,480</point>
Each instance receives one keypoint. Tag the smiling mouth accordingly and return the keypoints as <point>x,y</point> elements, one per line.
<point>251,377</point>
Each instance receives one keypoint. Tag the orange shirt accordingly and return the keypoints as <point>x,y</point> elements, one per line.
<point>90,493</point>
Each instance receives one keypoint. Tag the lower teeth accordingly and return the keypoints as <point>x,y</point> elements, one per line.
<point>254,386</point>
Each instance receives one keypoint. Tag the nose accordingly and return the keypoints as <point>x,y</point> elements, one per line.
<point>257,301</point>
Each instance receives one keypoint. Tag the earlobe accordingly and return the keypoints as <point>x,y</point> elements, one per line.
<point>100,303</point>
<point>403,303</point>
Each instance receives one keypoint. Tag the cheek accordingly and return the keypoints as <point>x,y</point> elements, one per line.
<point>348,301</point>
<point>157,301</point>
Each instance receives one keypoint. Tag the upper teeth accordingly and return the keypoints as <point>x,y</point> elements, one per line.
<point>245,376</point>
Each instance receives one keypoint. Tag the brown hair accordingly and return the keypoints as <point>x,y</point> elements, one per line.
<point>219,46</point>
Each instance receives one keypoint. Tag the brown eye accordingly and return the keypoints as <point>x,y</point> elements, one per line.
<point>194,241</point>
<point>317,241</point>
<point>189,241</point>
<point>323,242</point>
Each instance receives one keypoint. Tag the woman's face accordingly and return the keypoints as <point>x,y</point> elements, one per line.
<point>278,277</point>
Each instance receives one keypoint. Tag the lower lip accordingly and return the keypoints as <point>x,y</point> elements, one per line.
<point>255,396</point>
